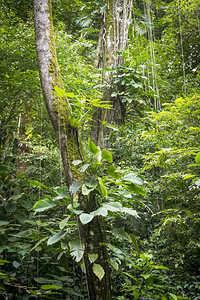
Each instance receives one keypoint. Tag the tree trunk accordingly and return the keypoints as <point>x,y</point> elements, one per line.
<point>67,136</point>
<point>112,42</point>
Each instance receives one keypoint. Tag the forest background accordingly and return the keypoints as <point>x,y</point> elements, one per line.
<point>148,181</point>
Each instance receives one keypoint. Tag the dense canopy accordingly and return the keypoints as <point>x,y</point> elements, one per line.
<point>99,149</point>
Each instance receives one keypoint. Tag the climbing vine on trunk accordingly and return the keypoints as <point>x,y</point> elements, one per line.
<point>60,113</point>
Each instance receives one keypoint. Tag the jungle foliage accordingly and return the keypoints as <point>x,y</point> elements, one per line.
<point>147,185</point>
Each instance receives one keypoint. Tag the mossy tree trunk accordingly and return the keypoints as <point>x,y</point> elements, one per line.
<point>59,111</point>
<point>112,40</point>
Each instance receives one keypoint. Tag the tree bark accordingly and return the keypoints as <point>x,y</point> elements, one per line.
<point>111,44</point>
<point>67,136</point>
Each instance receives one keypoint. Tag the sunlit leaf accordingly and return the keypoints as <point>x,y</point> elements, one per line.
<point>102,188</point>
<point>197,158</point>
<point>70,95</point>
<point>134,178</point>
<point>38,243</point>
<point>113,206</point>
<point>92,147</point>
<point>50,287</point>
<point>92,257</point>
<point>62,191</point>
<point>77,162</point>
<point>77,249</point>
<point>188,176</point>
<point>101,211</point>
<point>86,218</point>
<point>60,92</point>
<point>98,271</point>
<point>86,190</point>
<point>43,204</point>
<point>112,171</point>
<point>106,155</point>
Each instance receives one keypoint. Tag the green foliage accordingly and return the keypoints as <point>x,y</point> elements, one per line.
<point>77,249</point>
<point>98,271</point>
<point>37,226</point>
<point>101,187</point>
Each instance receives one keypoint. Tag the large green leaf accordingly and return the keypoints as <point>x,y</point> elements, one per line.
<point>91,181</point>
<point>106,155</point>
<point>130,211</point>
<point>102,188</point>
<point>56,237</point>
<point>86,218</point>
<point>120,233</point>
<point>64,222</point>
<point>113,172</point>
<point>134,178</point>
<point>62,192</point>
<point>101,211</point>
<point>92,257</point>
<point>113,206</point>
<point>77,249</point>
<point>92,147</point>
<point>75,187</point>
<point>135,189</point>
<point>84,168</point>
<point>43,204</point>
<point>98,271</point>
<point>86,190</point>
<point>197,158</point>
